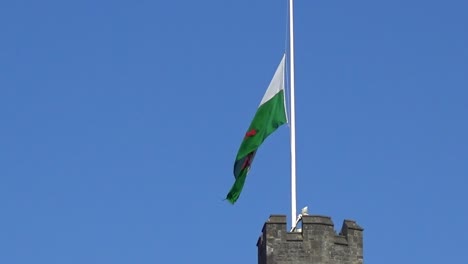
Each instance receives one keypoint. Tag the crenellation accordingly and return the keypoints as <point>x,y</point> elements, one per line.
<point>316,243</point>
<point>341,240</point>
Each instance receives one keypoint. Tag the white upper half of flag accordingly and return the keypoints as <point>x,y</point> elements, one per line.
<point>276,84</point>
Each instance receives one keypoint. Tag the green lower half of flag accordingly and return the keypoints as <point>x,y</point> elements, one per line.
<point>241,168</point>
<point>269,116</point>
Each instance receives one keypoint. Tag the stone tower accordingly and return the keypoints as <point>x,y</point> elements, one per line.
<point>316,243</point>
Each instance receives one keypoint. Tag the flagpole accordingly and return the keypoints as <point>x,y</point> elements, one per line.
<point>293,115</point>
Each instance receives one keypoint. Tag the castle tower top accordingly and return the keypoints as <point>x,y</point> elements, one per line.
<point>316,243</point>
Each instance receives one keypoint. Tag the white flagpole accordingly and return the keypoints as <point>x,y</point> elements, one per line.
<point>293,115</point>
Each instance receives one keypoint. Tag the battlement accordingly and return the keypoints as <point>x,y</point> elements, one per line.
<point>317,242</point>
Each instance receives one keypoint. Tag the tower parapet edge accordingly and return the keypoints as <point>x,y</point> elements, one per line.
<point>316,243</point>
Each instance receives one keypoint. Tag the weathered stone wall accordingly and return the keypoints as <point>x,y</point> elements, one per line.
<point>316,243</point>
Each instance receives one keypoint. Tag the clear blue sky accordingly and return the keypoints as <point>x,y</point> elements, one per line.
<point>120,121</point>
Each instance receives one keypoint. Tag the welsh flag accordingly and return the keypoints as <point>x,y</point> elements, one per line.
<point>270,115</point>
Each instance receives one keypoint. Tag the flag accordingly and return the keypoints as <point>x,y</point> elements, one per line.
<point>270,115</point>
